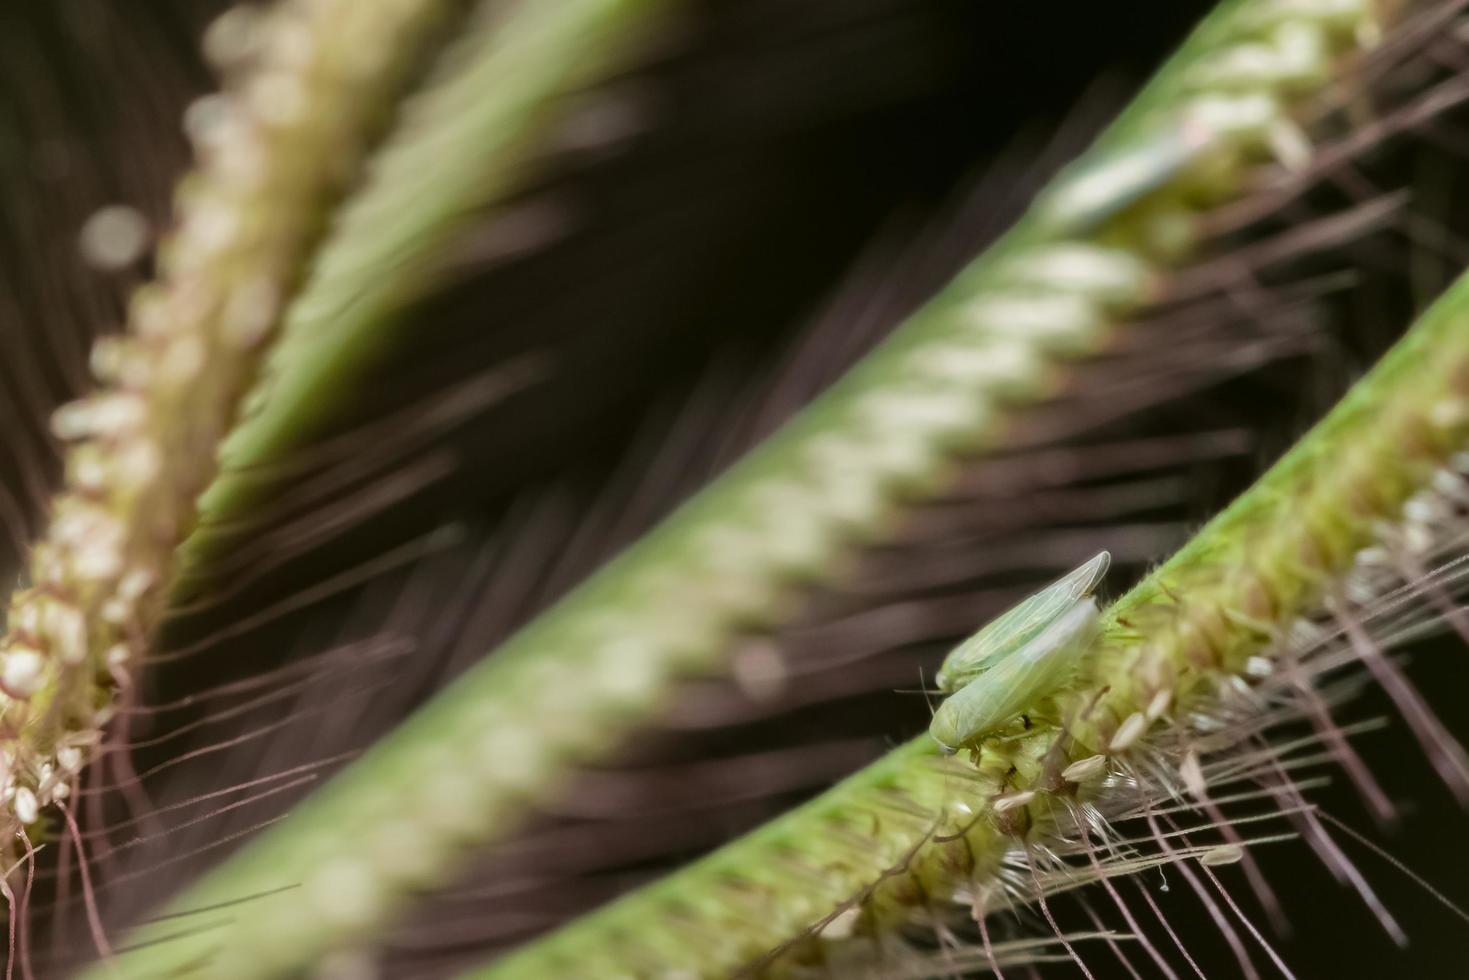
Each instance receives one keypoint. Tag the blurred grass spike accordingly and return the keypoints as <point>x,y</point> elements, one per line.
<point>274,153</point>
<point>461,145</point>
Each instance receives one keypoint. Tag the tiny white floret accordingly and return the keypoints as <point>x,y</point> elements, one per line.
<point>21,671</point>
<point>27,809</point>
<point>842,925</point>
<point>1222,854</point>
<point>1014,801</point>
<point>1083,770</point>
<point>1192,773</point>
<point>1159,704</point>
<point>1128,732</point>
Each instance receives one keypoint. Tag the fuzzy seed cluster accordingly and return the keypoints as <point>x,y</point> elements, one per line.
<point>304,83</point>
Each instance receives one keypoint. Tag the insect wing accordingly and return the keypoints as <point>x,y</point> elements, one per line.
<point>1019,625</point>
<point>1016,683</point>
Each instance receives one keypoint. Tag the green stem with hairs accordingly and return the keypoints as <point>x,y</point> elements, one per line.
<point>916,827</point>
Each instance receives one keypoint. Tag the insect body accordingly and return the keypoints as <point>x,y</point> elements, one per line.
<point>1019,625</point>
<point>1024,654</point>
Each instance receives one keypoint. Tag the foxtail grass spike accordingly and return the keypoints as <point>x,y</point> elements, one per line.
<point>310,84</point>
<point>1190,665</point>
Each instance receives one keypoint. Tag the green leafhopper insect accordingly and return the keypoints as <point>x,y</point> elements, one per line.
<point>1024,654</point>
<point>1019,625</point>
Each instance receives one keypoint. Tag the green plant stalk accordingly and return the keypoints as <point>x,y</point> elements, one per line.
<point>462,145</point>
<point>275,152</point>
<point>916,827</point>
<point>466,768</point>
